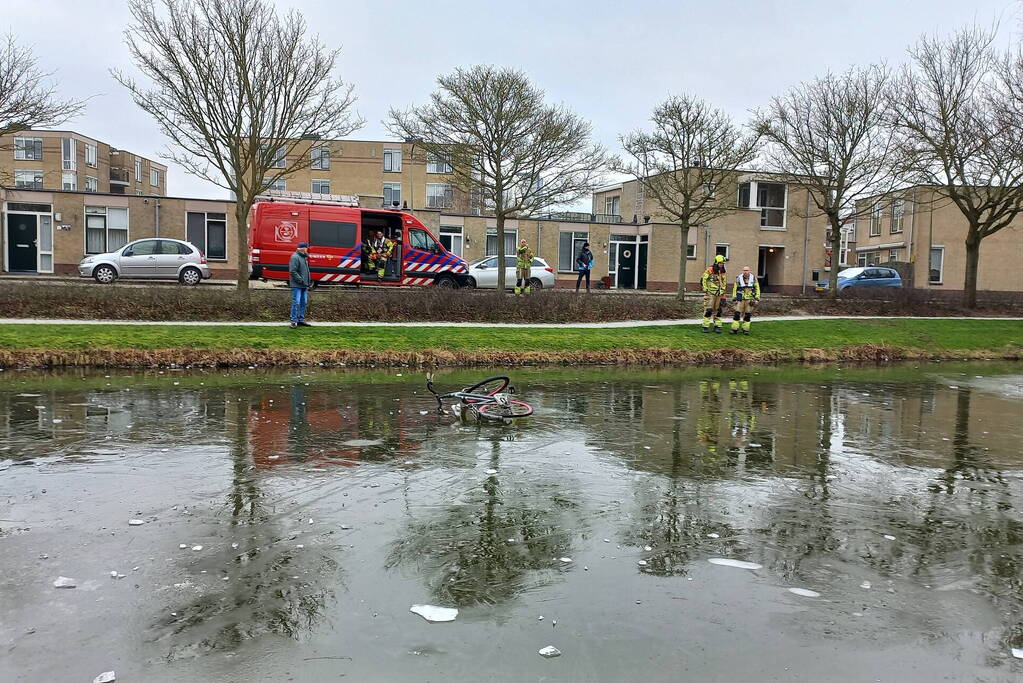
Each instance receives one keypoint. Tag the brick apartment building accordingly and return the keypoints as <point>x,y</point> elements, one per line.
<point>925,233</point>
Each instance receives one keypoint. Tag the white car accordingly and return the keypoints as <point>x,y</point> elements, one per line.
<point>483,273</point>
<point>160,259</point>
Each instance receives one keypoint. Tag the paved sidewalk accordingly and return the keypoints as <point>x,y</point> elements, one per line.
<point>594,326</point>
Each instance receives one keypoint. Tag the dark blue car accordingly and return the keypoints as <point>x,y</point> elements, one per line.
<point>870,276</point>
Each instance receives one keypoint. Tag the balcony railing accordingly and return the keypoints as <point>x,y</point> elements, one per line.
<point>120,175</point>
<point>580,217</point>
<point>69,164</point>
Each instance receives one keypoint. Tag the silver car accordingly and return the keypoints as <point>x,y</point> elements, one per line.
<point>163,259</point>
<point>483,273</point>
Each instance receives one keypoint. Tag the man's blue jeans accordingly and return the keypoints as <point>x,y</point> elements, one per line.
<point>299,301</point>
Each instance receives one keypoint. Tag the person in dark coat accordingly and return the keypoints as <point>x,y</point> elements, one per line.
<point>584,263</point>
<point>300,279</point>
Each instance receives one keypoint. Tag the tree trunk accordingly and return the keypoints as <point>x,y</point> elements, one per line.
<point>682,258</point>
<point>972,266</point>
<point>241,216</point>
<point>500,254</point>
<point>836,255</point>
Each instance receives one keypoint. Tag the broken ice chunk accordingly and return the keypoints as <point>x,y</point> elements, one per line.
<point>182,546</point>
<point>865,584</point>
<point>105,677</point>
<point>1017,652</point>
<point>889,537</point>
<point>64,582</point>
<point>642,563</point>
<point>712,535</point>
<point>491,471</point>
<point>432,613</point>
<point>135,522</point>
<point>805,592</point>
<point>739,564</point>
<point>197,547</point>
<point>566,560</point>
<point>549,651</point>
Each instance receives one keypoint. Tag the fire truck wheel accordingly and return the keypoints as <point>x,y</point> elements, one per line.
<point>446,282</point>
<point>470,283</point>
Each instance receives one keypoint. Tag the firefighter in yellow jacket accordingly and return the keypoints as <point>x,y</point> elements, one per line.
<point>715,293</point>
<point>746,295</point>
<point>523,267</point>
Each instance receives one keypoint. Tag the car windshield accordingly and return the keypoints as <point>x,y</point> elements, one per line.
<point>850,272</point>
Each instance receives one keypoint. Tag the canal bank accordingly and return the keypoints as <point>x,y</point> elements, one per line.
<point>100,344</point>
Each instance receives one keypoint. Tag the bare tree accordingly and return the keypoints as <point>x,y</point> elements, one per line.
<point>238,90</point>
<point>830,137</point>
<point>511,152</point>
<point>28,98</point>
<point>956,107</point>
<point>690,164</point>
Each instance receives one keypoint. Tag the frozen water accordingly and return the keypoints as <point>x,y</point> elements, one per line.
<point>432,613</point>
<point>739,564</point>
<point>805,592</point>
<point>549,651</point>
<point>64,582</point>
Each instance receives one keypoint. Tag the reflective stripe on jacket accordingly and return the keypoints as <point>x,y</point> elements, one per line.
<point>713,283</point>
<point>745,286</point>
<point>523,257</point>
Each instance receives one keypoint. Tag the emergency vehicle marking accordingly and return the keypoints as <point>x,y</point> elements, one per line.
<point>286,231</point>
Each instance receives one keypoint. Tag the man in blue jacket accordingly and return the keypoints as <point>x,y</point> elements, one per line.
<point>300,280</point>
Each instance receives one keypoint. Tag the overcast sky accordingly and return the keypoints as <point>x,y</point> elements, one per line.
<point>610,61</point>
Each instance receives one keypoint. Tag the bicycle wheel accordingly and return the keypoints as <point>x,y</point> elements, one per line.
<point>489,386</point>
<point>496,411</point>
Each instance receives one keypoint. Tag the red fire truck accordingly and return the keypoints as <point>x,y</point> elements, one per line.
<point>335,228</point>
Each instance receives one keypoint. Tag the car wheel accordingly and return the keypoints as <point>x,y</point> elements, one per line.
<point>534,283</point>
<point>470,283</point>
<point>446,282</point>
<point>190,277</point>
<point>104,274</point>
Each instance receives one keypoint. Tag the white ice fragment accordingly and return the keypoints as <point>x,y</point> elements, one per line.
<point>1017,652</point>
<point>105,677</point>
<point>540,618</point>
<point>424,412</point>
<point>113,575</point>
<point>738,564</point>
<point>310,520</point>
<point>549,651</point>
<point>755,445</point>
<point>345,527</point>
<point>566,560</point>
<point>805,592</point>
<point>299,546</point>
<point>119,576</point>
<point>135,522</point>
<point>586,569</point>
<point>647,548</point>
<point>433,613</point>
<point>234,546</point>
<point>607,540</point>
<point>865,584</point>
<point>57,420</point>
<point>491,471</point>
<point>647,448</point>
<point>511,540</point>
<point>642,563</point>
<point>889,537</point>
<point>197,548</point>
<point>273,457</point>
<point>182,546</point>
<point>713,535</point>
<point>64,582</point>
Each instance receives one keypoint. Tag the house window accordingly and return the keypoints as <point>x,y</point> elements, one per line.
<point>893,255</point>
<point>936,269</point>
<point>208,232</point>
<point>138,169</point>
<point>68,155</point>
<point>451,238</point>
<point>708,189</point>
<point>91,184</point>
<point>28,180</point>
<point>278,185</point>
<point>815,275</point>
<point>510,240</point>
<point>875,220</point>
<point>28,149</point>
<point>612,205</point>
<point>721,250</point>
<point>392,194</point>
<point>90,155</point>
<point>771,200</point>
<point>106,229</point>
<point>868,258</point>
<point>569,246</point>
<point>154,177</point>
<point>280,158</point>
<point>439,195</point>
<point>321,158</point>
<point>69,181</point>
<point>690,251</point>
<point>435,163</point>
<point>743,200</point>
<point>392,161</point>
<point>898,209</point>
<point>321,187</point>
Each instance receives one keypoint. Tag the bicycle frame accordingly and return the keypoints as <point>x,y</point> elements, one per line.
<point>495,405</point>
